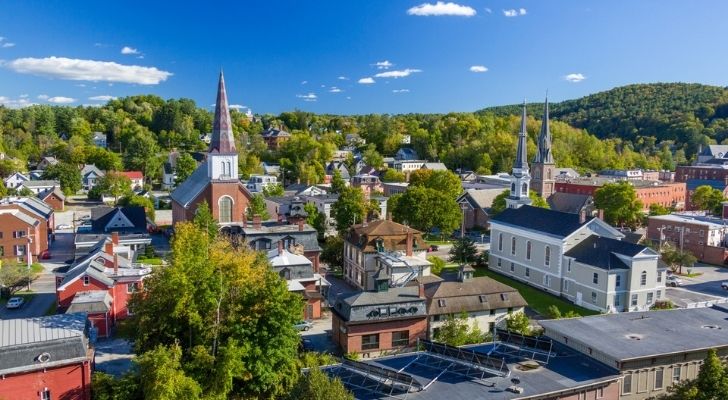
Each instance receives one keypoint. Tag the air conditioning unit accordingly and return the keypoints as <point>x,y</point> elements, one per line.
<point>515,389</point>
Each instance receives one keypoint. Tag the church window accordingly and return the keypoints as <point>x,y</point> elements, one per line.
<point>226,209</point>
<point>513,188</point>
<point>524,189</point>
<point>549,174</point>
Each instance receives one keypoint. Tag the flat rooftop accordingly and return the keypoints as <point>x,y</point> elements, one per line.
<point>603,180</point>
<point>635,335</point>
<point>567,370</point>
<point>712,222</point>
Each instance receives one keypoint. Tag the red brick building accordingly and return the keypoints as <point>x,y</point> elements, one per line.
<point>54,198</point>
<point>216,180</point>
<point>106,269</point>
<point>275,138</point>
<point>23,237</point>
<point>374,322</point>
<point>667,194</point>
<point>291,265</point>
<point>704,237</point>
<point>45,358</point>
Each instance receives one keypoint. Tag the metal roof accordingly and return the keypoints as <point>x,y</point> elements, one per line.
<point>14,332</point>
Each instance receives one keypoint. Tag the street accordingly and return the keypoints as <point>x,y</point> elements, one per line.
<point>704,288</point>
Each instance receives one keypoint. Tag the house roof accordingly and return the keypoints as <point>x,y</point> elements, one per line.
<point>17,174</point>
<point>133,174</point>
<point>569,202</point>
<point>393,295</point>
<point>692,184</point>
<point>102,216</point>
<point>602,252</point>
<point>91,168</point>
<point>40,183</point>
<point>635,335</point>
<point>274,231</point>
<point>99,135</point>
<point>285,258</point>
<point>435,166</point>
<point>481,198</point>
<point>30,204</point>
<point>714,150</point>
<point>392,234</point>
<point>54,190</point>
<point>100,266</point>
<point>92,301</point>
<point>476,294</point>
<point>538,219</point>
<point>21,216</point>
<point>274,132</point>
<point>188,190</point>
<point>23,340</point>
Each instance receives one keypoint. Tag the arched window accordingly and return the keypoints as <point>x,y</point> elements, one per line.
<point>513,245</point>
<point>225,205</point>
<point>524,189</point>
<point>643,278</point>
<point>528,250</point>
<point>500,242</point>
<point>513,188</point>
<point>547,256</point>
<point>537,174</point>
<point>549,174</point>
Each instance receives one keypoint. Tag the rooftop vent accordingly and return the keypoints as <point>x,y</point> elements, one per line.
<point>635,336</point>
<point>716,327</point>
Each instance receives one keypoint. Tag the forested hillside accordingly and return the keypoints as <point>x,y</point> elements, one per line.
<point>686,114</point>
<point>646,126</point>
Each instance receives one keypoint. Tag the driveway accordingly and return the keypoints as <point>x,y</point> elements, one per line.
<point>113,356</point>
<point>320,335</point>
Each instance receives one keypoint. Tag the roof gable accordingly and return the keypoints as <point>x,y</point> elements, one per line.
<point>543,220</point>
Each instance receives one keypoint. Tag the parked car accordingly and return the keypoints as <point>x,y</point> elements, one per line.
<point>304,325</point>
<point>724,285</point>
<point>63,226</point>
<point>673,280</point>
<point>45,255</point>
<point>14,302</point>
<point>433,247</point>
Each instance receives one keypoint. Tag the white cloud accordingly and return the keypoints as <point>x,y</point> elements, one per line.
<point>42,97</point>
<point>24,96</point>
<point>334,89</point>
<point>383,64</point>
<point>61,100</point>
<point>307,97</point>
<point>15,103</point>
<point>304,82</point>
<point>7,44</point>
<point>400,91</point>
<point>366,81</point>
<point>488,10</point>
<point>397,74</point>
<point>88,70</point>
<point>514,13</point>
<point>575,78</point>
<point>129,50</point>
<point>441,8</point>
<point>342,78</point>
<point>102,98</point>
<point>237,106</point>
<point>323,86</point>
<point>478,68</point>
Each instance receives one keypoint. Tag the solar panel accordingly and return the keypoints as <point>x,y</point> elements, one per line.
<point>466,356</point>
<point>383,373</point>
<point>532,342</point>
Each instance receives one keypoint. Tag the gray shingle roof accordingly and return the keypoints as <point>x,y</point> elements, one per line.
<point>601,252</point>
<point>41,183</point>
<point>543,220</point>
<point>569,202</point>
<point>188,190</point>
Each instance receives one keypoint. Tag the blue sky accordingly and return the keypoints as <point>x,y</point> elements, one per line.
<point>283,55</point>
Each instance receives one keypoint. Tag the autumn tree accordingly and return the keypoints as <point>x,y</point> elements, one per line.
<point>349,209</point>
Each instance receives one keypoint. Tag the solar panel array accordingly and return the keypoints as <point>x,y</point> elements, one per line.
<point>384,373</point>
<point>466,355</point>
<point>532,342</point>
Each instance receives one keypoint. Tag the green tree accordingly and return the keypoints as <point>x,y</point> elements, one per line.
<point>273,190</point>
<point>67,174</point>
<point>463,251</point>
<point>205,221</point>
<point>112,184</point>
<point>184,167</point>
<point>103,159</point>
<point>708,199</point>
<point>139,201</point>
<point>518,322</point>
<point>445,182</point>
<point>392,175</point>
<point>162,376</point>
<point>258,207</point>
<point>333,252</point>
<point>15,276</point>
<point>372,157</point>
<point>456,331</point>
<point>316,385</point>
<point>106,387</point>
<point>349,208</point>
<point>658,209</point>
<point>711,383</point>
<point>499,202</point>
<point>438,264</point>
<point>338,184</point>
<point>315,219</point>
<point>425,208</point>
<point>676,259</point>
<point>620,203</point>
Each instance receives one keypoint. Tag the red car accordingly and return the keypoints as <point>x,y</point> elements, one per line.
<point>46,255</point>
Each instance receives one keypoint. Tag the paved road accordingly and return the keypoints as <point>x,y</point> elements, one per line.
<point>320,335</point>
<point>709,282</point>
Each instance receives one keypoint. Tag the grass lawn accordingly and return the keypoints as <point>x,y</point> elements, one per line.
<point>150,261</point>
<point>538,300</point>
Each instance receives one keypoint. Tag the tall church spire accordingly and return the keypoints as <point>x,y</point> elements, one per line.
<point>544,154</point>
<point>521,154</point>
<point>520,178</point>
<point>222,140</point>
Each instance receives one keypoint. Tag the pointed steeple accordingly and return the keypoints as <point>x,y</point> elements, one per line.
<point>544,154</point>
<point>222,141</point>
<point>521,154</point>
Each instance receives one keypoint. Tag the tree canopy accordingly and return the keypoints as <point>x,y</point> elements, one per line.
<point>620,203</point>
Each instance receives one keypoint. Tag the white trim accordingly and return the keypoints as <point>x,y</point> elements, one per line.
<point>525,233</point>
<point>527,266</point>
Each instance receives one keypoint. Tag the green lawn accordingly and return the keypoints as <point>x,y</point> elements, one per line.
<point>150,261</point>
<point>538,300</point>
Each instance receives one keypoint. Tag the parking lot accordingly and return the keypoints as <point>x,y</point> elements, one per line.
<point>704,288</point>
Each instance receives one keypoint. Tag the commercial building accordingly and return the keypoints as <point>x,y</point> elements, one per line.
<point>369,184</point>
<point>704,237</point>
<point>265,236</point>
<point>666,194</point>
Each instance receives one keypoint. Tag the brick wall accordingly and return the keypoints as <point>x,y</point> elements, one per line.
<point>351,341</point>
<point>71,382</point>
<point>39,236</point>
<point>666,194</point>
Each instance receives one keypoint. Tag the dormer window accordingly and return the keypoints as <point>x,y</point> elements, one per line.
<point>441,303</point>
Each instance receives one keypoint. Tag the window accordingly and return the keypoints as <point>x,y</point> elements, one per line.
<point>524,189</point>
<point>643,278</point>
<point>499,262</point>
<point>86,280</point>
<point>1,235</point>
<point>617,281</point>
<point>45,394</point>
<point>659,374</point>
<point>528,272</point>
<point>546,280</point>
<point>226,209</point>
<point>504,296</point>
<point>441,303</point>
<point>594,297</point>
<point>627,384</point>
<point>2,251</point>
<point>132,287</point>
<point>568,266</point>
<point>600,393</point>
<point>633,300</point>
<point>595,278</point>
<point>370,342</point>
<point>528,250</point>
<point>676,373</point>
<point>492,312</point>
<point>702,233</point>
<point>616,301</point>
<point>566,286</point>
<point>513,245</point>
<point>659,276</point>
<point>19,250</point>
<point>483,298</point>
<point>513,267</point>
<point>500,242</point>
<point>547,256</point>
<point>649,298</point>
<point>400,338</point>
<point>18,234</point>
<point>659,294</point>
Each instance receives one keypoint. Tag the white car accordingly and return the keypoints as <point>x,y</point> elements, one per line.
<point>14,302</point>
<point>673,280</point>
<point>63,226</point>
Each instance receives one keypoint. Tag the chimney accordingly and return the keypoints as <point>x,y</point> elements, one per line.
<point>256,221</point>
<point>410,240</point>
<point>582,216</point>
<point>280,247</point>
<point>116,264</point>
<point>300,225</point>
<point>421,288</point>
<point>600,214</point>
<point>115,238</point>
<point>109,248</point>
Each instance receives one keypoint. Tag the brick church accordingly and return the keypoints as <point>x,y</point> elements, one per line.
<point>215,180</point>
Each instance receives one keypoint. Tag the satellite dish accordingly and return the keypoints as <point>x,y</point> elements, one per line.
<point>515,381</point>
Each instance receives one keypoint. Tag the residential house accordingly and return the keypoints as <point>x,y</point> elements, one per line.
<point>275,137</point>
<point>572,203</point>
<point>702,236</point>
<point>341,155</point>
<point>90,176</point>
<point>485,301</point>
<point>710,152</point>
<point>257,183</point>
<point>46,358</point>
<point>100,139</point>
<point>129,223</point>
<point>365,244</point>
<point>323,203</point>
<point>36,174</point>
<point>265,236</point>
<point>406,154</point>
<point>35,208</point>
<point>352,139</point>
<point>107,270</point>
<point>54,198</point>
<point>476,206</point>
<point>23,236</point>
<point>46,162</point>
<point>300,189</point>
<point>369,184</point>
<point>435,166</point>
<point>169,176</point>
<point>39,186</point>
<point>298,272</point>
<point>576,257</point>
<point>136,178</point>
<point>340,166</point>
<point>15,180</point>
<point>651,350</point>
<point>271,169</point>
<point>407,166</point>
